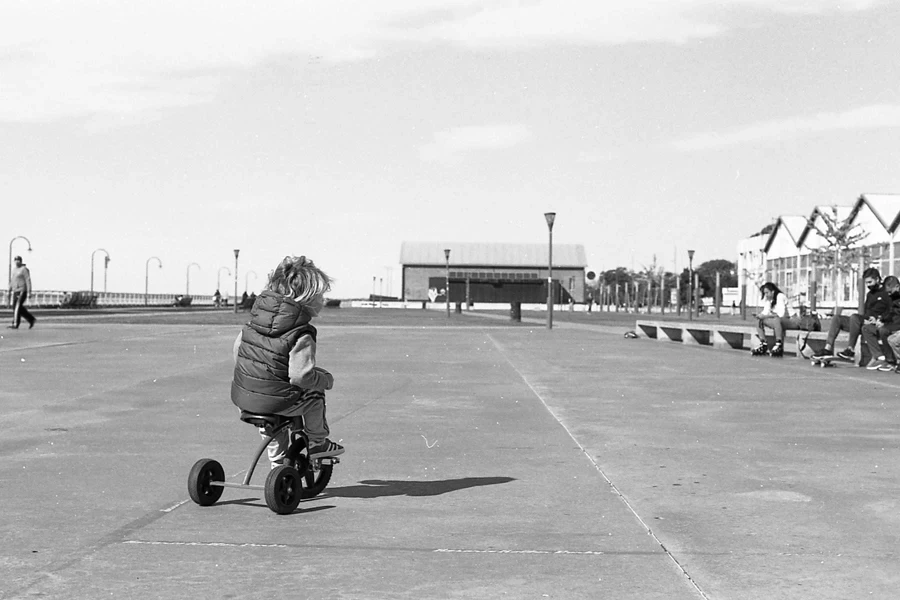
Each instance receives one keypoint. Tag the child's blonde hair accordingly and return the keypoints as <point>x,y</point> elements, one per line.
<point>299,278</point>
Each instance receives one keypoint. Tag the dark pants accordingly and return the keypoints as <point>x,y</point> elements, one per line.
<point>876,339</point>
<point>20,311</point>
<point>851,324</point>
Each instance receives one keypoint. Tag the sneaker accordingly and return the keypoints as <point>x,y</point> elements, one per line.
<point>325,450</point>
<point>823,354</point>
<point>846,354</point>
<point>888,367</point>
<point>876,364</point>
<point>760,350</point>
<point>777,350</point>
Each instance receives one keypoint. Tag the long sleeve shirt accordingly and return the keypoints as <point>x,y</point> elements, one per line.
<point>20,280</point>
<point>302,368</point>
<point>780,309</point>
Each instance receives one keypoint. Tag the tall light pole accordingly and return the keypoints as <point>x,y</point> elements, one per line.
<point>236,252</point>
<point>247,277</point>
<point>147,276</point>
<point>691,285</point>
<point>9,264</point>
<point>550,217</point>
<point>219,277</point>
<point>93,254</point>
<point>105,269</point>
<point>187,285</point>
<point>447,282</point>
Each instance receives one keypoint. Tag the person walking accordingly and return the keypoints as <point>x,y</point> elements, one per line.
<point>19,289</point>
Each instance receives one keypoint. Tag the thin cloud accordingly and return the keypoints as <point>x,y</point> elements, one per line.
<point>454,143</point>
<point>867,117</point>
<point>78,58</point>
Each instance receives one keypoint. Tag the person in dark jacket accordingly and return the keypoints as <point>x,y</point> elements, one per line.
<point>275,369</point>
<point>878,338</point>
<point>876,309</point>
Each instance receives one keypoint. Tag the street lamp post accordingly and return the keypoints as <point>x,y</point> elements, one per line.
<point>550,217</point>
<point>236,252</point>
<point>9,264</point>
<point>187,285</point>
<point>691,285</point>
<point>147,277</point>
<point>93,254</point>
<point>105,269</point>
<point>447,283</point>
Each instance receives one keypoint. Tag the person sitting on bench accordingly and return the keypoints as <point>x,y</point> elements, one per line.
<point>875,310</point>
<point>776,315</point>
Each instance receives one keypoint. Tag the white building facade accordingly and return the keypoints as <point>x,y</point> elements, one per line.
<point>784,252</point>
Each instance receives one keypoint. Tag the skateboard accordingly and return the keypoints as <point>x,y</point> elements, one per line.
<point>827,361</point>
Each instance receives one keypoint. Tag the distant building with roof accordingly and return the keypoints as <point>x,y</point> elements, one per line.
<point>784,251</point>
<point>491,272</point>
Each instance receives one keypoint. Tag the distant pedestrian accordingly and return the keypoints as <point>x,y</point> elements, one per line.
<point>19,290</point>
<point>217,299</point>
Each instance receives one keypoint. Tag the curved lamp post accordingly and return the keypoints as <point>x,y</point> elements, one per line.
<point>550,217</point>
<point>147,276</point>
<point>105,264</point>
<point>246,277</point>
<point>9,264</point>
<point>219,277</point>
<point>187,286</point>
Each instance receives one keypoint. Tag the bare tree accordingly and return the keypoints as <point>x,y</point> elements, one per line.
<point>841,251</point>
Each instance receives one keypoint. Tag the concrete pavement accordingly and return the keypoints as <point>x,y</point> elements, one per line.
<point>484,460</point>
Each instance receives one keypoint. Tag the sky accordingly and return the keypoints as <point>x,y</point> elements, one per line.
<point>174,132</point>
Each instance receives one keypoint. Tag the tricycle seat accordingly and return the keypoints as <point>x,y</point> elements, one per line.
<point>272,421</point>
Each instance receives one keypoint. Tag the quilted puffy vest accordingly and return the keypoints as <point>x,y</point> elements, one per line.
<point>261,383</point>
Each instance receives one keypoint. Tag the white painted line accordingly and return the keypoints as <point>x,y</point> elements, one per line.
<point>436,550</point>
<point>206,544</point>
<point>494,551</point>
<point>174,506</point>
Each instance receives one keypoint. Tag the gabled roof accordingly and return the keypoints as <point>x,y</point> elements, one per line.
<point>885,207</point>
<point>491,254</point>
<point>793,225</point>
<point>840,213</point>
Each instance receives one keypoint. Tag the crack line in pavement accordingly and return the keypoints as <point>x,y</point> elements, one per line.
<point>598,468</point>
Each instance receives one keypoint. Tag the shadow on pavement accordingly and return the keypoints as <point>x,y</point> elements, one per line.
<point>255,502</point>
<point>376,488</point>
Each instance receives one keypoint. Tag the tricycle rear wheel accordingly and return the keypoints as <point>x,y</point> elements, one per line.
<point>200,487</point>
<point>283,489</point>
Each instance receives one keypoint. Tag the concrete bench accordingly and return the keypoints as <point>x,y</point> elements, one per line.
<point>697,333</point>
<point>730,336</point>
